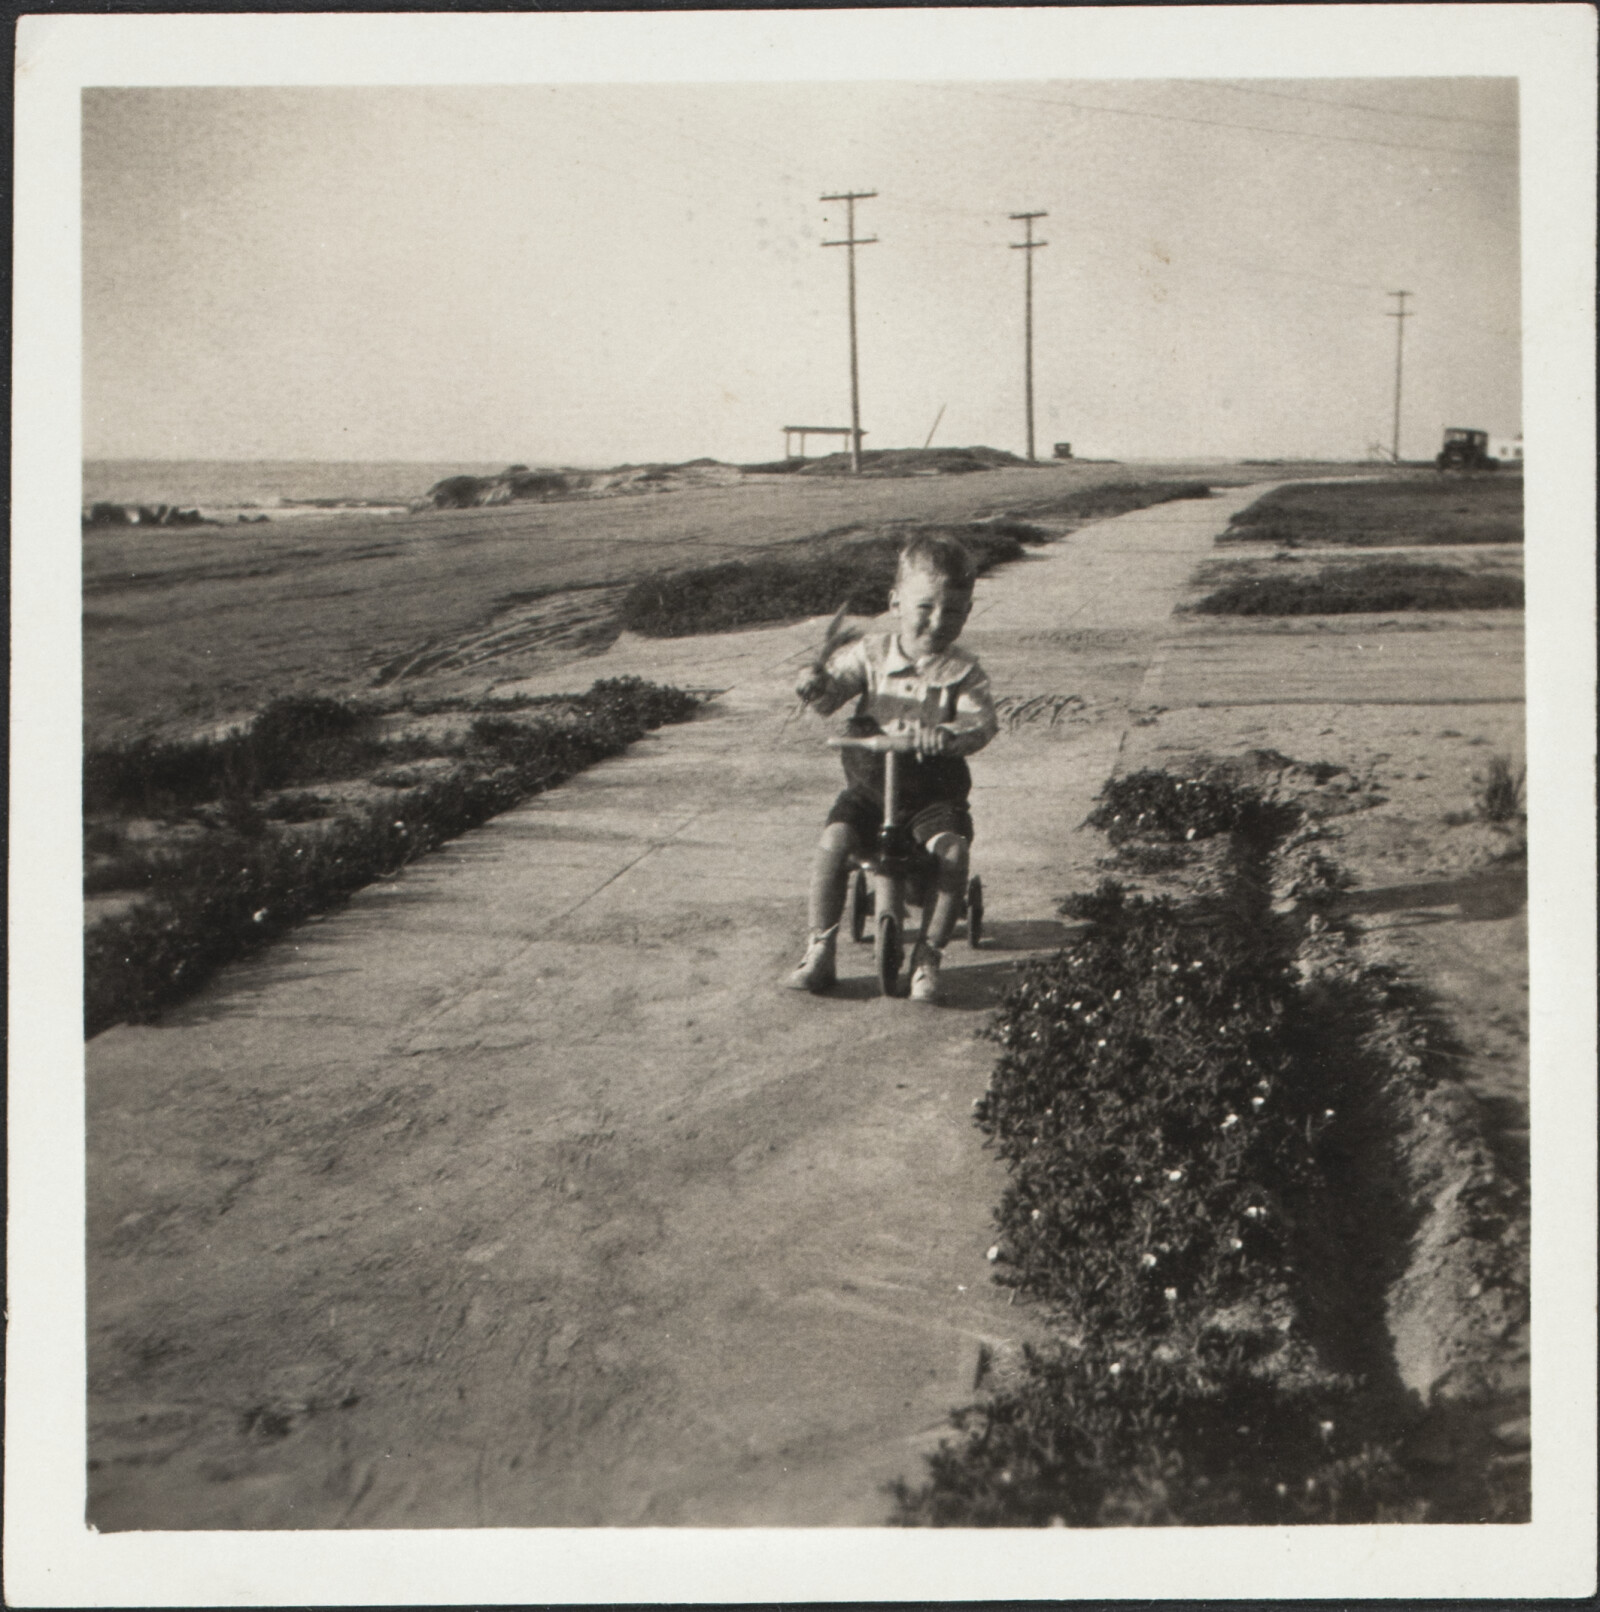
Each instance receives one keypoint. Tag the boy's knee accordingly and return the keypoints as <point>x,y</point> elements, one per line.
<point>951,850</point>
<point>837,840</point>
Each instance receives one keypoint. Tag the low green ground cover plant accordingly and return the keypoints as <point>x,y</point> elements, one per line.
<point>296,739</point>
<point>1386,512</point>
<point>1375,586</point>
<point>1144,1105</point>
<point>1169,1106</point>
<point>1107,1435</point>
<point>209,899</point>
<point>856,574</point>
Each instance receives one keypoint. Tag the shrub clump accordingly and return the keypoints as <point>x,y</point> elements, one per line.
<point>1111,1436</point>
<point>744,593</point>
<point>212,900</point>
<point>1500,799</point>
<point>1379,585</point>
<point>1155,805</point>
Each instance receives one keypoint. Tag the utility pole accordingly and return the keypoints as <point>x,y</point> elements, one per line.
<point>1399,315</point>
<point>1030,246</point>
<point>850,198</point>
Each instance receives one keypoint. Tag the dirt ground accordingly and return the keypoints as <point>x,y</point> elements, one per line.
<point>515,1193</point>
<point>185,627</point>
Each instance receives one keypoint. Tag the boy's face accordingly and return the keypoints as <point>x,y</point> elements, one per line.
<point>932,611</point>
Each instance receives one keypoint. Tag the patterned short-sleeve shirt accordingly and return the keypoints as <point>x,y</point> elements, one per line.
<point>950,690</point>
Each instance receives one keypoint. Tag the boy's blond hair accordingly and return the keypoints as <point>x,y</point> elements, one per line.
<point>938,555</point>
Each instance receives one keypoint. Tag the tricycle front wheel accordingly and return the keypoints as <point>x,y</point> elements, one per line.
<point>858,902</point>
<point>888,952</point>
<point>975,913</point>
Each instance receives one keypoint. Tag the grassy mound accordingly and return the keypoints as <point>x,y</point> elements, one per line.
<point>1386,512</point>
<point>1118,498</point>
<point>251,871</point>
<point>896,462</point>
<point>1378,585</point>
<point>744,593</point>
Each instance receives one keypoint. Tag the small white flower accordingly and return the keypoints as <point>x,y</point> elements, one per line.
<point>1037,1215</point>
<point>1283,1489</point>
<point>260,916</point>
<point>1255,1212</point>
<point>993,1254</point>
<point>399,825</point>
<point>1180,998</point>
<point>1327,1113</point>
<point>1147,1260</point>
<point>1234,1244</point>
<point>1256,1102</point>
<point>1138,1180</point>
<point>1100,1043</point>
<point>1230,1122</point>
<point>1170,1294</point>
<point>1076,1006</point>
<point>1116,996</point>
<point>1115,1367</point>
<point>1189,834</point>
<point>1174,1175</point>
<point>1325,1428</point>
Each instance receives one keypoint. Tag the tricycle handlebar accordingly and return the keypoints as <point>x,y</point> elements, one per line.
<point>881,743</point>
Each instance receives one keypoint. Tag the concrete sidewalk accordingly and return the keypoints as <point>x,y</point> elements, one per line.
<point>517,1193</point>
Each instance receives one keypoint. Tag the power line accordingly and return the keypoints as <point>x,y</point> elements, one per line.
<point>1028,248</point>
<point>1356,106</point>
<point>1221,123</point>
<point>850,198</point>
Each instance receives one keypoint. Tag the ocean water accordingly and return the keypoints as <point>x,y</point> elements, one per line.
<point>280,487</point>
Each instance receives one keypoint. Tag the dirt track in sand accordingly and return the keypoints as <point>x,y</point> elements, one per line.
<point>515,1194</point>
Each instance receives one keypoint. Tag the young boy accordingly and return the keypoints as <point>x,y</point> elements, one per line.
<point>911,681</point>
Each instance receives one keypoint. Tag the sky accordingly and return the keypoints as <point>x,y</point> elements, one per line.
<point>590,274</point>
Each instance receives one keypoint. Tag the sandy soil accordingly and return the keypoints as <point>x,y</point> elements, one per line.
<point>185,628</point>
<point>516,1194</point>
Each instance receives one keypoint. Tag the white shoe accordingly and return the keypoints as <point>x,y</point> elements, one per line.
<point>816,972</point>
<point>925,974</point>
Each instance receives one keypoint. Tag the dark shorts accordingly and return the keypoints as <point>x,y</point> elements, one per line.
<point>864,815</point>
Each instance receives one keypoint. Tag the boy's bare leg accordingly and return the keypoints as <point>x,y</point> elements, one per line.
<point>830,874</point>
<point>951,850</point>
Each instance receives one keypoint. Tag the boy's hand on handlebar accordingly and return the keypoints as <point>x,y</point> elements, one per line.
<point>932,740</point>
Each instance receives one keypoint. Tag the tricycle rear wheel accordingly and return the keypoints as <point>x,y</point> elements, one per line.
<point>975,913</point>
